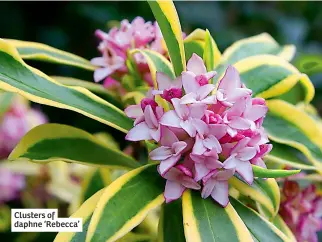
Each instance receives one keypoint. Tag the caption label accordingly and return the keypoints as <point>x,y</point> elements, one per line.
<point>43,220</point>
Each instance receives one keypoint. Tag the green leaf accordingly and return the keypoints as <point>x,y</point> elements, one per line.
<point>211,55</point>
<point>205,221</point>
<point>265,192</point>
<point>125,203</point>
<point>281,225</point>
<point>193,46</point>
<point>18,77</point>
<point>261,229</point>
<point>85,212</point>
<point>5,101</point>
<point>288,125</point>
<point>156,62</point>
<point>271,76</point>
<point>52,142</point>
<point>256,45</point>
<point>284,155</point>
<point>168,20</point>
<point>97,89</point>
<point>95,180</point>
<point>171,223</point>
<point>309,63</point>
<point>272,173</point>
<point>37,51</point>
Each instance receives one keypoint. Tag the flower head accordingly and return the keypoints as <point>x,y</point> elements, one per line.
<point>10,184</point>
<point>301,209</point>
<point>207,135</point>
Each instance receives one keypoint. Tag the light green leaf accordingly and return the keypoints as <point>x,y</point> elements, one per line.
<point>125,203</point>
<point>261,229</point>
<point>54,142</point>
<point>18,77</point>
<point>272,173</point>
<point>206,221</point>
<point>284,155</point>
<point>97,89</point>
<point>85,212</point>
<point>291,126</point>
<point>265,192</point>
<point>37,51</point>
<point>168,20</point>
<point>211,55</point>
<point>194,46</point>
<point>5,101</point>
<point>171,223</point>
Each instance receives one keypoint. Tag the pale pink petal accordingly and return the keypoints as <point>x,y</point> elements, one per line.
<point>98,61</point>
<point>196,65</point>
<point>237,109</point>
<point>258,162</point>
<point>231,132</point>
<point>247,153</point>
<point>150,118</point>
<point>163,80</point>
<point>156,133</point>
<point>172,174</point>
<point>224,175</point>
<point>177,82</point>
<point>189,98</point>
<point>139,132</point>
<point>230,80</point>
<point>167,164</point>
<point>181,110</point>
<point>238,93</point>
<point>220,193</point>
<point>189,82</point>
<point>245,170</point>
<point>133,111</point>
<point>101,73</point>
<point>178,147</point>
<point>200,171</point>
<point>231,162</point>
<point>198,148</point>
<point>201,126</point>
<point>161,153</point>
<point>256,112</point>
<point>173,191</point>
<point>190,183</point>
<point>204,91</point>
<point>211,142</point>
<point>210,74</point>
<point>168,137</point>
<point>197,110</point>
<point>171,119</point>
<point>241,144</point>
<point>189,127</point>
<point>208,188</point>
<point>239,123</point>
<point>209,100</point>
<point>218,130</point>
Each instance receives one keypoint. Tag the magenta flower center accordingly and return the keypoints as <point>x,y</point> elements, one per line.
<point>168,94</point>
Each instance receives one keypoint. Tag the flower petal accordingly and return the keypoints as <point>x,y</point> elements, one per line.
<point>220,193</point>
<point>173,191</point>
<point>196,65</point>
<point>101,73</point>
<point>203,91</point>
<point>189,127</point>
<point>167,164</point>
<point>245,170</point>
<point>189,82</point>
<point>168,137</point>
<point>208,188</point>
<point>189,98</point>
<point>133,111</point>
<point>161,153</point>
<point>163,80</point>
<point>139,132</point>
<point>239,123</point>
<point>171,119</point>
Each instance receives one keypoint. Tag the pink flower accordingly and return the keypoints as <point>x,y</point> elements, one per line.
<point>168,88</point>
<point>179,178</point>
<point>301,210</point>
<point>230,88</point>
<point>200,139</point>
<point>149,128</point>
<point>196,82</point>
<point>10,185</point>
<point>216,185</point>
<point>183,116</point>
<point>240,158</point>
<point>170,151</point>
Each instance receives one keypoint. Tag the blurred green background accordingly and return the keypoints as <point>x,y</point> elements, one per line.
<point>70,26</point>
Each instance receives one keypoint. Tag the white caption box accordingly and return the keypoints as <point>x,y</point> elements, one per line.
<point>43,220</point>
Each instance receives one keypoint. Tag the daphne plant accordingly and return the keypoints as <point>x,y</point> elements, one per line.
<point>209,124</point>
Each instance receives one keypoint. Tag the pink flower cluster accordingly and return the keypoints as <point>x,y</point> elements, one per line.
<point>302,210</point>
<point>10,185</point>
<point>15,123</point>
<point>208,134</point>
<point>115,44</point>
